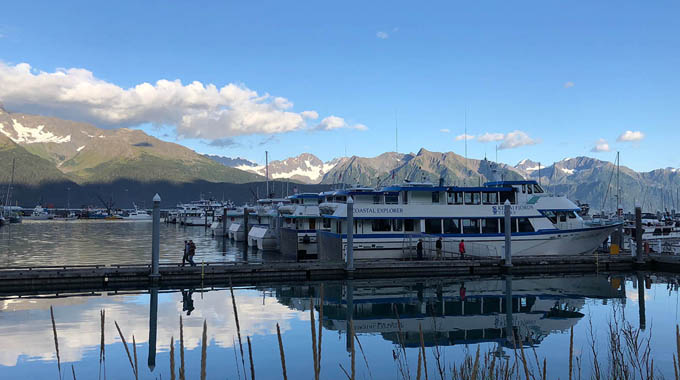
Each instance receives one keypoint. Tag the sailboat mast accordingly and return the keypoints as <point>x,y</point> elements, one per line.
<point>618,189</point>
<point>266,169</point>
<point>9,187</point>
<point>465,138</point>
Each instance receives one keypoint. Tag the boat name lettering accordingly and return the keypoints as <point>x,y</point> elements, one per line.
<point>381,210</point>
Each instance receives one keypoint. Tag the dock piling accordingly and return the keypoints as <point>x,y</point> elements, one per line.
<point>350,234</point>
<point>638,234</point>
<point>224,222</point>
<point>153,326</point>
<point>156,239</point>
<point>508,232</point>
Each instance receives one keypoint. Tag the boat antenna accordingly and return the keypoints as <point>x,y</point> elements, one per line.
<point>618,189</point>
<point>396,132</point>
<point>539,174</point>
<point>465,138</point>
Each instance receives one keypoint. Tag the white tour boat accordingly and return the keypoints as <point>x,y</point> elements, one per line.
<point>302,216</point>
<point>388,222</point>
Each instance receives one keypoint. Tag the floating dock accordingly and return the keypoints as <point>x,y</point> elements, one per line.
<point>19,279</point>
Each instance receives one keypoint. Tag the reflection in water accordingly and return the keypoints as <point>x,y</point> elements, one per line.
<point>499,313</point>
<point>453,312</point>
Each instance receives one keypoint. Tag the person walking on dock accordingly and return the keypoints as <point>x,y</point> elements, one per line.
<point>419,249</point>
<point>461,248</point>
<point>438,245</point>
<point>185,257</point>
<point>192,252</point>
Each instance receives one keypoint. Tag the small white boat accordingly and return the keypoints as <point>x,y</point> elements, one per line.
<point>137,215</point>
<point>39,213</point>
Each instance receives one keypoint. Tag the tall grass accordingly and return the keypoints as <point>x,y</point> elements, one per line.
<point>56,340</point>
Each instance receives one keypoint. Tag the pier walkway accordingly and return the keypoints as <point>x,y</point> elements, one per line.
<point>15,280</point>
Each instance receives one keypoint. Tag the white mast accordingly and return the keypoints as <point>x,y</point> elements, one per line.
<point>266,170</point>
<point>465,138</point>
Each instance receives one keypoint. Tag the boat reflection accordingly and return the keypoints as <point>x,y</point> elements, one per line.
<point>509,311</point>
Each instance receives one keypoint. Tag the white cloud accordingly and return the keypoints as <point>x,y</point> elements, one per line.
<point>464,137</point>
<point>334,122</point>
<point>569,84</point>
<point>488,137</point>
<point>444,130</point>
<point>631,136</point>
<point>516,139</point>
<point>196,110</point>
<point>382,35</point>
<point>601,145</point>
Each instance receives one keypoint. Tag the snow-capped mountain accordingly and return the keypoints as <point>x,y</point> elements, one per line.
<point>306,167</point>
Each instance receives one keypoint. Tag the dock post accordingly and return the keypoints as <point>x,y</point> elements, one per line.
<point>350,235</point>
<point>153,326</point>
<point>508,233</point>
<point>641,301</point>
<point>509,334</point>
<point>245,225</point>
<point>224,222</point>
<point>638,234</point>
<point>156,238</point>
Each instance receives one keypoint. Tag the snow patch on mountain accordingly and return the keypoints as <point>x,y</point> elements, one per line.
<point>32,135</point>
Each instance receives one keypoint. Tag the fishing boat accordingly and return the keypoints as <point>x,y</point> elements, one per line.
<point>39,213</point>
<point>303,218</point>
<point>137,215</point>
<point>389,222</point>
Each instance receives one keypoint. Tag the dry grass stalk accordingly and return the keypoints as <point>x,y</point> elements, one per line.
<point>238,370</point>
<point>56,341</point>
<point>134,351</point>
<point>363,354</point>
<point>204,352</point>
<point>127,351</point>
<point>675,367</point>
<point>172,358</point>
<point>73,371</point>
<point>400,357</point>
<point>351,329</point>
<point>102,345</point>
<point>250,356</point>
<point>524,362</point>
<point>420,359</point>
<point>422,349</point>
<point>283,356</point>
<point>571,352</point>
<point>311,323</point>
<point>318,351</point>
<point>181,350</point>
<point>238,327</point>
<point>676,363</point>
<point>475,367</point>
<point>344,371</point>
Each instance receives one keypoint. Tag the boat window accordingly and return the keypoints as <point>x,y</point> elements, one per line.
<point>524,188</point>
<point>550,215</point>
<point>530,189</point>
<point>435,197</point>
<point>562,215</point>
<point>508,195</point>
<point>409,225</point>
<point>397,225</point>
<point>513,225</point>
<point>571,214</point>
<point>450,197</point>
<point>326,223</point>
<point>470,226</point>
<point>451,226</point>
<point>341,198</point>
<point>312,224</point>
<point>433,226</point>
<point>490,198</point>
<point>338,227</point>
<point>459,198</point>
<point>468,198</point>
<point>490,226</point>
<point>392,199</point>
<point>476,198</point>
<point>376,200</point>
<point>538,189</point>
<point>405,197</point>
<point>524,225</point>
<point>380,225</point>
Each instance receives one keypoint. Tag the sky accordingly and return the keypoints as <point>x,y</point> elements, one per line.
<point>535,79</point>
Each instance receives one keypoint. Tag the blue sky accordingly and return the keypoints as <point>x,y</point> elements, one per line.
<point>564,75</point>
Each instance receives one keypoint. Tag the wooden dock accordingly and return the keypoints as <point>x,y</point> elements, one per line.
<point>18,279</point>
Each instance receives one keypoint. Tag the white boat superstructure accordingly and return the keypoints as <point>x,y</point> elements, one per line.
<point>303,216</point>
<point>138,215</point>
<point>39,213</point>
<point>263,234</point>
<point>199,213</point>
<point>388,222</point>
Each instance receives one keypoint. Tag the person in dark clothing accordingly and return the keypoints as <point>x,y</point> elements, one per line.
<point>439,248</point>
<point>192,252</point>
<point>419,249</point>
<point>461,248</point>
<point>187,301</point>
<point>185,257</point>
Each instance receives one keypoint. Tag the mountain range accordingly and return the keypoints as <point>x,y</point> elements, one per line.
<point>53,155</point>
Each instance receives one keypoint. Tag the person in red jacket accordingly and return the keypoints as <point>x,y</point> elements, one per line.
<point>461,248</point>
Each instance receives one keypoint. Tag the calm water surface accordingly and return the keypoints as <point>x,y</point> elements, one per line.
<point>456,315</point>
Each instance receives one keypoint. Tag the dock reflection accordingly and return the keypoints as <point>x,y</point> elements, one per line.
<point>506,310</point>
